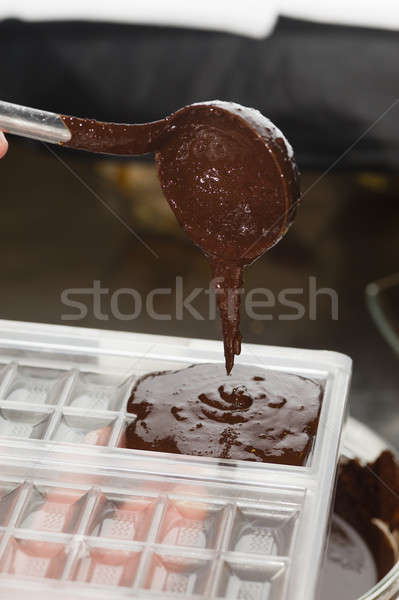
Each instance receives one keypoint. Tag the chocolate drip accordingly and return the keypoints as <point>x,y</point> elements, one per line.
<point>227,283</point>
<point>230,178</point>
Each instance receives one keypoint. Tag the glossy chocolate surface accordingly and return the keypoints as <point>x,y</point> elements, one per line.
<point>230,177</point>
<point>253,414</point>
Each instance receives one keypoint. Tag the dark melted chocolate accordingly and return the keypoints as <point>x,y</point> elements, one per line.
<point>230,178</point>
<point>368,498</point>
<point>253,414</point>
<point>349,570</point>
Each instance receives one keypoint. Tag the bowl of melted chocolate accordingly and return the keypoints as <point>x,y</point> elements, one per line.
<point>362,554</point>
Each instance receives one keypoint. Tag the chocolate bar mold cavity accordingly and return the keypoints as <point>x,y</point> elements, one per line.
<point>93,391</point>
<point>84,429</point>
<point>191,523</point>
<point>34,386</point>
<point>253,582</point>
<point>25,424</point>
<point>52,509</point>
<point>267,532</point>
<point>118,517</point>
<point>101,566</point>
<point>34,558</point>
<point>177,574</point>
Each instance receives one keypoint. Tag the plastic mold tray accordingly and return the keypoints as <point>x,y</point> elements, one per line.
<point>83,517</point>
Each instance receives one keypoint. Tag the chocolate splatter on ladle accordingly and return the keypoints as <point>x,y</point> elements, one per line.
<point>229,176</point>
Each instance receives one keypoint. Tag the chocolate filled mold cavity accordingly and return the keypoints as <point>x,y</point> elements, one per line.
<point>254,414</point>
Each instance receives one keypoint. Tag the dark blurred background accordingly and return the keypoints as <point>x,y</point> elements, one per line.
<point>325,86</point>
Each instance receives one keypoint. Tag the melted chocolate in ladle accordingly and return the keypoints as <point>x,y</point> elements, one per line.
<point>229,176</point>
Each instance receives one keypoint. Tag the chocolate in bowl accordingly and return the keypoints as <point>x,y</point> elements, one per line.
<point>367,502</point>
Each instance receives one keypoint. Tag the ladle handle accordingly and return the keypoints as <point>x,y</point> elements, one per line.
<point>33,123</point>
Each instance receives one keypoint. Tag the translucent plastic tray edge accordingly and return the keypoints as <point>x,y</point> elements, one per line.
<point>62,337</point>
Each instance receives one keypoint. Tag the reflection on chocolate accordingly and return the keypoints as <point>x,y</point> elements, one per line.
<point>228,174</point>
<point>253,414</point>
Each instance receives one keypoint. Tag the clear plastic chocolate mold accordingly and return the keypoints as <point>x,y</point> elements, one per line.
<point>82,516</point>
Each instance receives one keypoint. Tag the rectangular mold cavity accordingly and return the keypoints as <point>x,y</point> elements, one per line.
<point>26,424</point>
<point>84,429</point>
<point>268,532</point>
<point>35,385</point>
<point>106,566</point>
<point>9,493</point>
<point>126,518</point>
<point>239,580</point>
<point>32,558</point>
<point>51,509</point>
<point>191,523</point>
<point>177,574</point>
<point>93,391</point>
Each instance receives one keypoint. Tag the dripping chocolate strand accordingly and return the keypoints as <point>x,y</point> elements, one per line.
<point>227,283</point>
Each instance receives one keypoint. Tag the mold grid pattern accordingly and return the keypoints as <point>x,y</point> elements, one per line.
<point>63,406</point>
<point>146,545</point>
